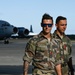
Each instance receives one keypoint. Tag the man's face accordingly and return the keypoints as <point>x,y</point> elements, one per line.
<point>61,26</point>
<point>47,25</point>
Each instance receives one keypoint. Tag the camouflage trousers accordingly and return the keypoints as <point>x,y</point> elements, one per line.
<point>43,72</point>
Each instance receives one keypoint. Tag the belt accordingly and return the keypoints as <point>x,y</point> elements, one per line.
<point>42,69</point>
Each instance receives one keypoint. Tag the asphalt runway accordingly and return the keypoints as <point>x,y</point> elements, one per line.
<point>11,62</point>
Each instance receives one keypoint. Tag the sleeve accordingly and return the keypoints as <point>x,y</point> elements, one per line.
<point>29,51</point>
<point>70,64</point>
<point>57,59</point>
<point>70,49</point>
<point>57,52</point>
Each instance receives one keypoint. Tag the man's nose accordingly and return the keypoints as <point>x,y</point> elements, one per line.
<point>47,26</point>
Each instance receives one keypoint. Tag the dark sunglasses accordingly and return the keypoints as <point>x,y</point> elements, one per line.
<point>44,25</point>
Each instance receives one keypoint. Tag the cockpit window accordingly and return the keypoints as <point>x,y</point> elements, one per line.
<point>5,24</point>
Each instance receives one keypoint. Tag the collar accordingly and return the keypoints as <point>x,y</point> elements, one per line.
<point>56,35</point>
<point>42,35</point>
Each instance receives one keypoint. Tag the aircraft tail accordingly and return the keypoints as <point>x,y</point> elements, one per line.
<point>31,29</point>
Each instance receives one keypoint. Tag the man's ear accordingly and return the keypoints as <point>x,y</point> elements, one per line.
<point>56,25</point>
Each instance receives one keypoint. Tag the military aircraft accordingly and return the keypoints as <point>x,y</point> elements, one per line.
<point>24,33</point>
<point>6,30</point>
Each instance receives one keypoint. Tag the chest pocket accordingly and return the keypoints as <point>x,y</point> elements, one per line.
<point>41,52</point>
<point>55,52</point>
<point>66,48</point>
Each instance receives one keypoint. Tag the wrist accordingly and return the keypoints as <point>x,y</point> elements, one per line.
<point>25,73</point>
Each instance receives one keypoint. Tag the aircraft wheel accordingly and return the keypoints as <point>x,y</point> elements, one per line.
<point>6,42</point>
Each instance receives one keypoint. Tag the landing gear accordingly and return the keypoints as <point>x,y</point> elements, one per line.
<point>6,42</point>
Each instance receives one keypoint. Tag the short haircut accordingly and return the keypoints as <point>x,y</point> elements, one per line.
<point>60,18</point>
<point>47,16</point>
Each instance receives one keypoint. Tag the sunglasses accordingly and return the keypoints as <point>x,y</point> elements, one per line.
<point>44,25</point>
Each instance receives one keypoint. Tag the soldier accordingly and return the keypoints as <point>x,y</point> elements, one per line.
<point>65,45</point>
<point>43,51</point>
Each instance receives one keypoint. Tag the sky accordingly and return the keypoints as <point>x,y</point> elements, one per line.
<point>23,13</point>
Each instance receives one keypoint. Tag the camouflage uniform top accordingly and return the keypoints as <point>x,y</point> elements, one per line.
<point>65,47</point>
<point>45,55</point>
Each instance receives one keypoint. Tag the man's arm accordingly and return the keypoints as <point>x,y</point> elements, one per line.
<point>25,67</point>
<point>58,69</point>
<point>71,66</point>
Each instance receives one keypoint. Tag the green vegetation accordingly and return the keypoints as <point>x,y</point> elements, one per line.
<point>72,37</point>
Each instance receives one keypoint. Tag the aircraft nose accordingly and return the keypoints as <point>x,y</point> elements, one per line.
<point>15,30</point>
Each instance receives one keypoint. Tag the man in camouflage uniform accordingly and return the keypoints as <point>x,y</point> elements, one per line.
<point>65,45</point>
<point>43,51</point>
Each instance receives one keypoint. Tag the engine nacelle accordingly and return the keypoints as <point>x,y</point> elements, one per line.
<point>15,29</point>
<point>22,31</point>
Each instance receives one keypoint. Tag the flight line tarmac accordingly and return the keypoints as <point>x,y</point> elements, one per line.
<point>11,57</point>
